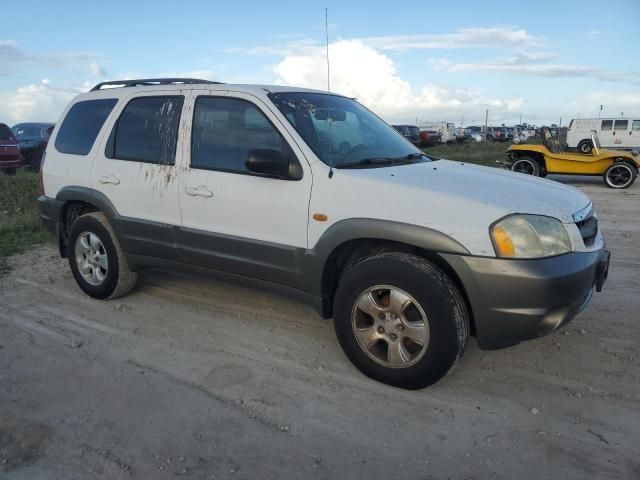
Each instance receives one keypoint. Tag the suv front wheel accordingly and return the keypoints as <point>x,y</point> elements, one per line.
<point>96,259</point>
<point>400,320</point>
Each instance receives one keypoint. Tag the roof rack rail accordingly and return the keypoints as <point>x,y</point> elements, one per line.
<point>150,82</point>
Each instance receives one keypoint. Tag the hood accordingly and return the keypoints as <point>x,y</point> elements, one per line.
<point>500,191</point>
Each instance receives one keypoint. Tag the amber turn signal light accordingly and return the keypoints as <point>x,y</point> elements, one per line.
<point>320,217</point>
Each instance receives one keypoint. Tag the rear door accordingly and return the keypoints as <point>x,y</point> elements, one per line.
<point>233,220</point>
<point>135,168</point>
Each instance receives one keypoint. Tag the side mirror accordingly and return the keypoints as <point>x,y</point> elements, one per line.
<point>270,163</point>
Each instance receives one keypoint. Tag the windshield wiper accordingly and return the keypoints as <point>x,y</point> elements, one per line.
<point>382,161</point>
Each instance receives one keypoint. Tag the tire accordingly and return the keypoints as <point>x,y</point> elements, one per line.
<point>94,249</point>
<point>620,175</point>
<point>490,138</point>
<point>585,146</point>
<point>526,165</point>
<point>434,313</point>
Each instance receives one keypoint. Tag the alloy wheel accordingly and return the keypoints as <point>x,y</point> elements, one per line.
<point>91,258</point>
<point>390,326</point>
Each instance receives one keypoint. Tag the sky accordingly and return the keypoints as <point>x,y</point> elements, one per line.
<point>539,62</point>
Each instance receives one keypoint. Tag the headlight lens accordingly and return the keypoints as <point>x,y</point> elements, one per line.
<point>530,236</point>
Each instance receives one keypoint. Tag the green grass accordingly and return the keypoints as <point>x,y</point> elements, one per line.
<point>483,153</point>
<point>19,220</point>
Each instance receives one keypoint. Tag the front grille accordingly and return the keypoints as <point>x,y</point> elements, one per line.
<point>588,230</point>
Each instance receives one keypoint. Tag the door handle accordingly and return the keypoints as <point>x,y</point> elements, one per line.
<point>199,191</point>
<point>109,179</point>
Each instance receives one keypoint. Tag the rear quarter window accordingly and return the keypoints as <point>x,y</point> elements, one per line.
<point>82,124</point>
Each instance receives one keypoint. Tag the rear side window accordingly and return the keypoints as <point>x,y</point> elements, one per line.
<point>82,125</point>
<point>147,131</point>
<point>607,124</point>
<point>636,125</point>
<point>621,125</point>
<point>225,130</point>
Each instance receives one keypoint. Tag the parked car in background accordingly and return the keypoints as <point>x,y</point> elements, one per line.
<point>410,132</point>
<point>618,169</point>
<point>429,138</point>
<point>447,130</point>
<point>615,133</point>
<point>473,134</point>
<point>497,134</point>
<point>10,155</point>
<point>33,139</point>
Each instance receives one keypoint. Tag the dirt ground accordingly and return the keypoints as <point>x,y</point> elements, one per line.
<point>195,379</point>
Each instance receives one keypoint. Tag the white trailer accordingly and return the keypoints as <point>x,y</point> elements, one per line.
<point>620,133</point>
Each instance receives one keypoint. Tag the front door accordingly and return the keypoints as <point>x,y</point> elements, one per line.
<point>634,134</point>
<point>233,220</point>
<point>605,134</point>
<point>135,168</point>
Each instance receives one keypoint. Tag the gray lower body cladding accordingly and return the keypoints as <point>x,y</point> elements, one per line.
<point>511,300</point>
<point>517,300</point>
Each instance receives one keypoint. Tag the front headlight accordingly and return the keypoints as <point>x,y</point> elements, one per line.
<point>529,236</point>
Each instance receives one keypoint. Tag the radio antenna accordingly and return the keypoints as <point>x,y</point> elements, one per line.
<point>329,120</point>
<point>326,31</point>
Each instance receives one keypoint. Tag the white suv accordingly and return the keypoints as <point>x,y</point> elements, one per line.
<point>312,195</point>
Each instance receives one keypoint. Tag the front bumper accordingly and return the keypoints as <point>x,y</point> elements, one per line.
<point>517,300</point>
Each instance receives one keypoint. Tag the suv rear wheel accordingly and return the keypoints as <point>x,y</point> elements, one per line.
<point>400,320</point>
<point>96,259</point>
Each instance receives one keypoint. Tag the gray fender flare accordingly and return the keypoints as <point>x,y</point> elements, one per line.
<point>372,229</point>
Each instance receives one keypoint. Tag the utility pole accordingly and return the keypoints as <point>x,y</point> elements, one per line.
<point>486,120</point>
<point>560,124</point>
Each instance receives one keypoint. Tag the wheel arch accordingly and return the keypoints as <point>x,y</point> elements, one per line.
<point>77,201</point>
<point>350,241</point>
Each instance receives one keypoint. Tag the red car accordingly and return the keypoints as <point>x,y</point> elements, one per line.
<point>10,154</point>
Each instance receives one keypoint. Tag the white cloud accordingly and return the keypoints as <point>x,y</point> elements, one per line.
<point>361,71</point>
<point>496,37</point>
<point>520,65</point>
<point>34,102</point>
<point>97,70</point>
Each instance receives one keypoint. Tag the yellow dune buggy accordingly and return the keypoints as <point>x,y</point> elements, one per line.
<point>619,169</point>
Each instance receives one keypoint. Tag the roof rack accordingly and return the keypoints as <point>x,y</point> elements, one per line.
<point>151,82</point>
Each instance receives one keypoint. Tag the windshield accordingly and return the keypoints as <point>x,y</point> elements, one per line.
<point>342,132</point>
<point>5,132</point>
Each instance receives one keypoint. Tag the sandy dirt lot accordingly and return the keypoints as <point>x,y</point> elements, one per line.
<point>195,379</point>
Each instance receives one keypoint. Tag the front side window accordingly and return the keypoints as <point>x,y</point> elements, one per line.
<point>635,125</point>
<point>621,125</point>
<point>226,129</point>
<point>341,132</point>
<point>82,124</point>
<point>607,125</point>
<point>147,131</point>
